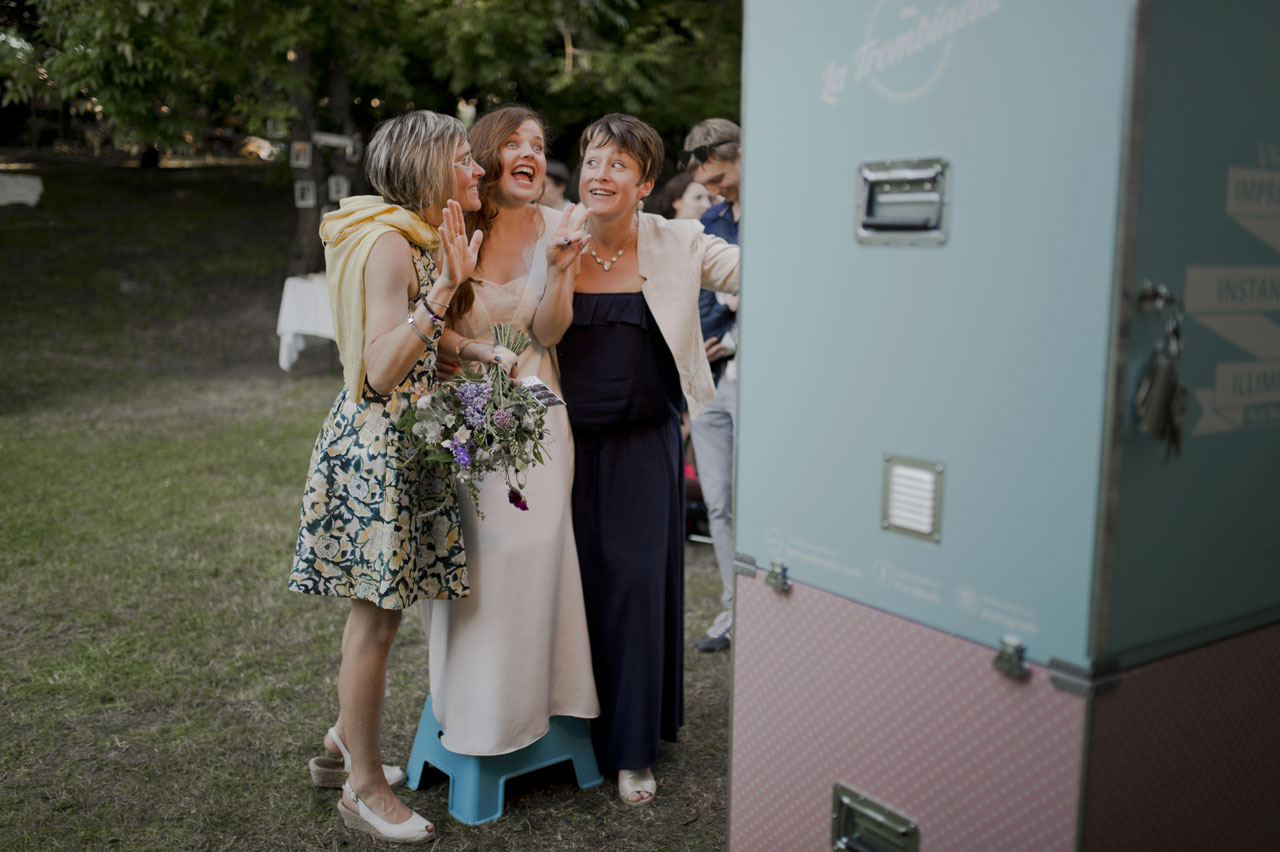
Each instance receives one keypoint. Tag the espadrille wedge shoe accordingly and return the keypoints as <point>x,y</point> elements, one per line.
<point>333,771</point>
<point>416,829</point>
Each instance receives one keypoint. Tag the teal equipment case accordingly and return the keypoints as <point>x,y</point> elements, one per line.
<point>977,235</point>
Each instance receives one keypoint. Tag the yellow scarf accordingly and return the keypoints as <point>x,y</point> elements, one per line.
<point>349,234</point>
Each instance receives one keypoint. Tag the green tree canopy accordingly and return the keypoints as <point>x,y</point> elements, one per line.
<point>159,69</point>
<point>164,72</point>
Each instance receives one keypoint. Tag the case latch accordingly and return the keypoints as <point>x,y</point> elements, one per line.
<point>777,577</point>
<point>1010,660</point>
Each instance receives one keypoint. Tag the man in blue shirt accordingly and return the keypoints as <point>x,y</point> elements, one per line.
<point>713,155</point>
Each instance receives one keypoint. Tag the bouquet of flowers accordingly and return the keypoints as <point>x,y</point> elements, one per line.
<point>477,423</point>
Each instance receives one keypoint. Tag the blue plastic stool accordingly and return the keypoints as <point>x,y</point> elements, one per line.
<point>477,784</point>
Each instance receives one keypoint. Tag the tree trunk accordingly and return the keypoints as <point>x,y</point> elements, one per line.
<point>340,107</point>
<point>64,124</point>
<point>307,253</point>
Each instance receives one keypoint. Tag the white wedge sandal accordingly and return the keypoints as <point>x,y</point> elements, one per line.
<point>416,829</point>
<point>333,772</point>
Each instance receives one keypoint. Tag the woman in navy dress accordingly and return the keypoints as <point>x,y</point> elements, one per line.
<point>625,313</point>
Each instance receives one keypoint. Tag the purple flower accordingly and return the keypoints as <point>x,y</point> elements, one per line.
<point>473,394</point>
<point>517,501</point>
<point>460,454</point>
<point>503,419</point>
<point>474,397</point>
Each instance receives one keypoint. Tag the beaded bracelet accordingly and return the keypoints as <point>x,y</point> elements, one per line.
<point>421,299</point>
<point>438,319</point>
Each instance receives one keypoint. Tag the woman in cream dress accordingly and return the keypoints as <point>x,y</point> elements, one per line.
<point>515,652</point>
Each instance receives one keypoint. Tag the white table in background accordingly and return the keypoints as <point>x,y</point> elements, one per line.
<point>304,310</point>
<point>20,189</point>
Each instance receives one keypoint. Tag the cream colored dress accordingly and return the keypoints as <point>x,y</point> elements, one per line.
<point>516,652</point>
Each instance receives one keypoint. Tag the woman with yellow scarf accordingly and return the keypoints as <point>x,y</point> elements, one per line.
<point>376,529</point>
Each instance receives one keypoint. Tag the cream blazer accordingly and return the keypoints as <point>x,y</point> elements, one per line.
<point>676,261</point>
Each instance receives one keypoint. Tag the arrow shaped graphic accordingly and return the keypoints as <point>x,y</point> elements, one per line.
<point>1266,229</point>
<point>1255,334</point>
<point>1230,301</point>
<point>1253,200</point>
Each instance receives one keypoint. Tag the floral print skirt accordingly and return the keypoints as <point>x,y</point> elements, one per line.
<point>375,527</point>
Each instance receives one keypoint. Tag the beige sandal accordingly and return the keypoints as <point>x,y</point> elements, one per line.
<point>333,771</point>
<point>416,829</point>
<point>637,781</point>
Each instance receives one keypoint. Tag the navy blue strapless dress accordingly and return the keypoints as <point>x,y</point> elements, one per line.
<point>624,399</point>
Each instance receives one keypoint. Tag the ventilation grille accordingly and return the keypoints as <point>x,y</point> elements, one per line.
<point>912,498</point>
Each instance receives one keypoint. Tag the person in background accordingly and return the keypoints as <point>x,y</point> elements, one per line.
<point>624,319</point>
<point>681,197</point>
<point>554,184</point>
<point>712,156</point>
<point>376,530</point>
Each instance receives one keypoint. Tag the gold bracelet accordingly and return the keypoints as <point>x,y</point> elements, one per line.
<point>460,346</point>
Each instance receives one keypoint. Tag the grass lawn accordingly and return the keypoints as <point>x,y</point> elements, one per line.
<point>160,689</point>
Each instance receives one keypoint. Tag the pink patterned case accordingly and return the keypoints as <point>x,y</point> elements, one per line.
<point>831,691</point>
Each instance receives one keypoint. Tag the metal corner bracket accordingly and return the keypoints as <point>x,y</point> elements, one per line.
<point>1080,681</point>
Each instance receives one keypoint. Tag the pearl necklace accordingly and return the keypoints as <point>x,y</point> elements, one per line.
<point>606,264</point>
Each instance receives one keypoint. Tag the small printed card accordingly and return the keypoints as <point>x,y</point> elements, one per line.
<point>543,394</point>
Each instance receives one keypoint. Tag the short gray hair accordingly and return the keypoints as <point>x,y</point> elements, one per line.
<point>711,130</point>
<point>409,161</point>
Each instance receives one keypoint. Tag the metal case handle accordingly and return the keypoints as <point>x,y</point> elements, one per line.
<point>902,202</point>
<point>860,825</point>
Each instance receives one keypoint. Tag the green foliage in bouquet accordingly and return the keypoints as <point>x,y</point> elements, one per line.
<point>481,422</point>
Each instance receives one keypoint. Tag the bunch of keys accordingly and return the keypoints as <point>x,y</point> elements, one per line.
<point>1161,401</point>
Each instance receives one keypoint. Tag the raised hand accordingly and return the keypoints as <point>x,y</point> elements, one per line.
<point>459,254</point>
<point>555,308</point>
<point>571,238</point>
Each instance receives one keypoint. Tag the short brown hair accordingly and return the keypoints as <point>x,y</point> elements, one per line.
<point>409,160</point>
<point>723,135</point>
<point>633,136</point>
